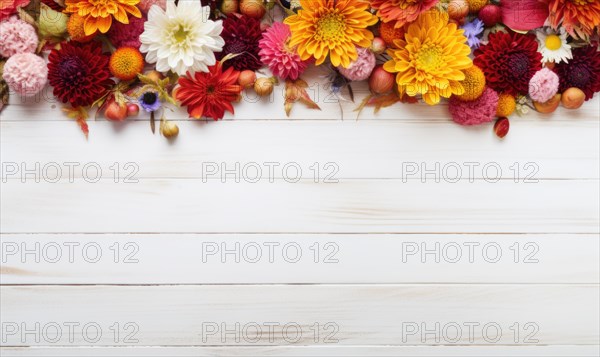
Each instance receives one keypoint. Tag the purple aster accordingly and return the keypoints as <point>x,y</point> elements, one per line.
<point>472,30</point>
<point>149,101</point>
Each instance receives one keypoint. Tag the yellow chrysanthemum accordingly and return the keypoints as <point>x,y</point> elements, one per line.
<point>98,14</point>
<point>474,84</point>
<point>431,58</point>
<point>506,105</point>
<point>331,28</point>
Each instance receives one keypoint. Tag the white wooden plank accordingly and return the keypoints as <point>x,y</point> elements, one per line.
<point>363,149</point>
<point>298,258</point>
<point>303,351</point>
<point>345,315</point>
<point>350,206</point>
<point>46,107</point>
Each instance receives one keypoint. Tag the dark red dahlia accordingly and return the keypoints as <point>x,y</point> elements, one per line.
<point>509,60</point>
<point>241,35</point>
<point>79,73</point>
<point>583,71</point>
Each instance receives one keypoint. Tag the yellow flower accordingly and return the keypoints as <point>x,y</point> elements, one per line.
<point>506,105</point>
<point>98,14</point>
<point>331,27</point>
<point>430,59</point>
<point>474,84</point>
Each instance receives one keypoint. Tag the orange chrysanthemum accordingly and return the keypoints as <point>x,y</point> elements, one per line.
<point>401,12</point>
<point>331,28</point>
<point>126,63</point>
<point>579,17</point>
<point>431,59</point>
<point>75,29</point>
<point>98,14</point>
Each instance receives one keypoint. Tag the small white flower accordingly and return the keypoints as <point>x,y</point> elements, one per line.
<point>553,45</point>
<point>182,38</point>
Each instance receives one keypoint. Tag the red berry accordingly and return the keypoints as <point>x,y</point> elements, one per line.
<point>133,109</point>
<point>501,127</point>
<point>490,15</point>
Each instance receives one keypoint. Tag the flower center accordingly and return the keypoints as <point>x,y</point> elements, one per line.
<point>72,69</point>
<point>330,26</point>
<point>580,76</point>
<point>430,58</point>
<point>519,64</point>
<point>553,42</point>
<point>149,98</point>
<point>180,34</point>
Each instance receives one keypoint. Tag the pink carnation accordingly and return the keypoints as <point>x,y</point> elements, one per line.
<point>543,85</point>
<point>9,7</point>
<point>25,73</point>
<point>361,68</point>
<point>17,36</point>
<point>478,111</point>
<point>283,61</point>
<point>145,5</point>
<point>127,35</point>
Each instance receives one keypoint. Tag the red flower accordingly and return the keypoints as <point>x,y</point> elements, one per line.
<point>509,61</point>
<point>583,71</point>
<point>241,35</point>
<point>209,94</point>
<point>79,73</point>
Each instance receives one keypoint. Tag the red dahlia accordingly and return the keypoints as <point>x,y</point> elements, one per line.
<point>209,94</point>
<point>509,60</point>
<point>79,73</point>
<point>583,71</point>
<point>241,35</point>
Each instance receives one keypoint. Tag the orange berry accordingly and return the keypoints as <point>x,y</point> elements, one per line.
<point>474,84</point>
<point>126,63</point>
<point>506,105</point>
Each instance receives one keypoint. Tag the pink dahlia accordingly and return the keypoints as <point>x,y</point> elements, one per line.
<point>478,111</point>
<point>275,52</point>
<point>9,7</point>
<point>25,73</point>
<point>543,85</point>
<point>17,36</point>
<point>145,5</point>
<point>361,68</point>
<point>127,35</point>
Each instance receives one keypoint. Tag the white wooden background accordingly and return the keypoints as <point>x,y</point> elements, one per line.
<point>360,277</point>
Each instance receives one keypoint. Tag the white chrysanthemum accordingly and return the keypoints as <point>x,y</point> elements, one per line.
<point>182,38</point>
<point>554,46</point>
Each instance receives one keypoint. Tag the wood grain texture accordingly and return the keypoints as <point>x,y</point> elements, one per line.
<point>346,314</point>
<point>303,351</point>
<point>350,206</point>
<point>298,258</point>
<point>363,149</point>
